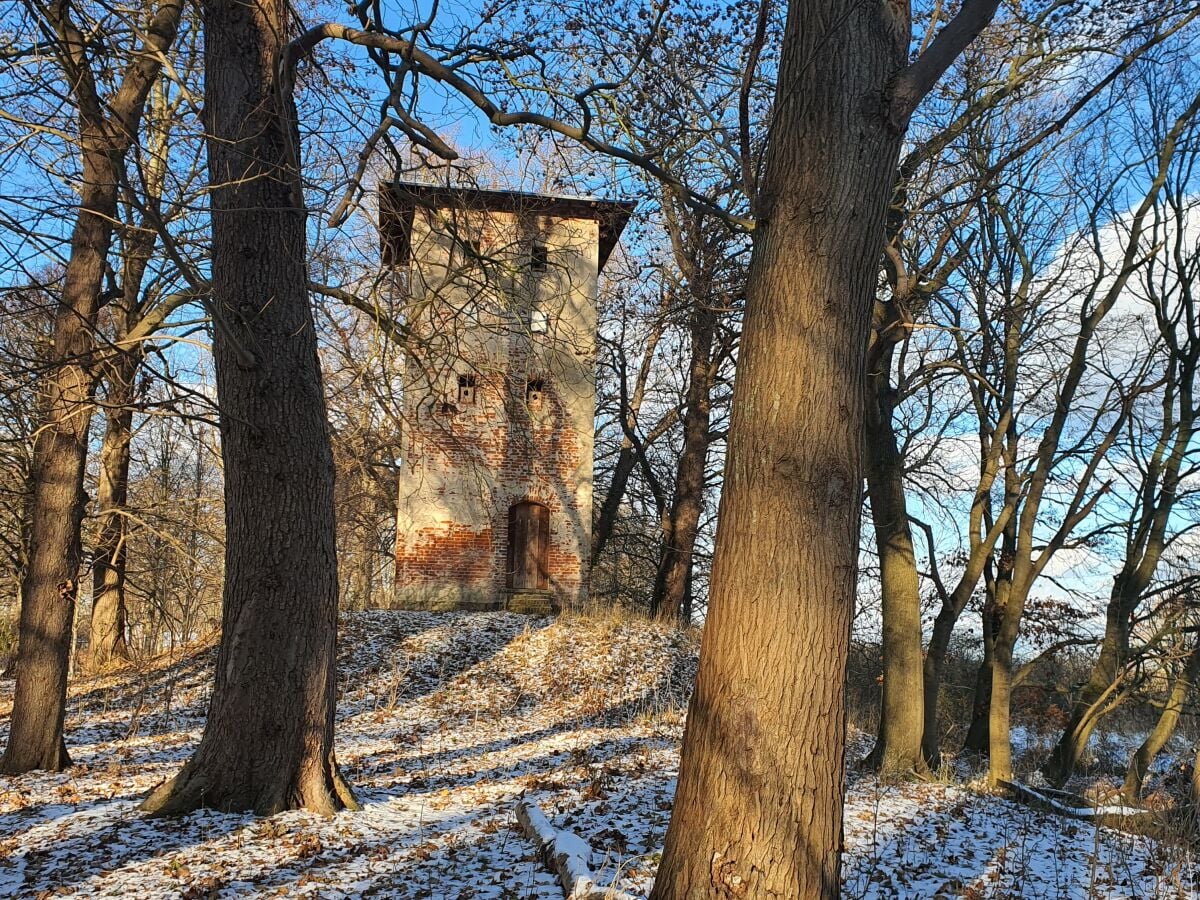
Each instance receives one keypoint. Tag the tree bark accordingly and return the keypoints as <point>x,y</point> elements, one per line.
<point>268,740</point>
<point>683,522</point>
<point>977,741</point>
<point>984,534</point>
<point>758,809</point>
<point>1002,620</point>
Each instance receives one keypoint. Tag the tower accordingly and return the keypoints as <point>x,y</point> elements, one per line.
<point>495,498</point>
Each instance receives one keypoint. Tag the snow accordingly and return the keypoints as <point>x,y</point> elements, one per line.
<point>566,852</point>
<point>446,723</point>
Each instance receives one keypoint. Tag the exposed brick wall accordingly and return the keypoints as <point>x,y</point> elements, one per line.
<point>465,468</point>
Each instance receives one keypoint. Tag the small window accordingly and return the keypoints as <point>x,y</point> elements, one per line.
<point>466,389</point>
<point>539,258</point>
<point>538,322</point>
<point>535,392</point>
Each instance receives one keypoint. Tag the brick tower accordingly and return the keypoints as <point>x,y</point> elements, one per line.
<point>495,505</point>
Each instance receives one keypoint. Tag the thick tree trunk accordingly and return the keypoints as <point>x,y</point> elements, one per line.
<point>758,810</point>
<point>107,643</point>
<point>1139,765</point>
<point>1007,590</point>
<point>1000,711</point>
<point>679,538</point>
<point>268,740</point>
<point>902,711</point>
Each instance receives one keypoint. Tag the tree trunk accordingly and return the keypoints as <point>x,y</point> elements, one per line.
<point>1086,710</point>
<point>1128,588</point>
<point>50,586</point>
<point>107,639</point>
<point>1007,612</point>
<point>1139,765</point>
<point>999,713</point>
<point>607,518</point>
<point>627,456</point>
<point>902,711</point>
<point>1194,792</point>
<point>976,741</point>
<point>268,740</point>
<point>107,129</point>
<point>758,809</point>
<point>932,673</point>
<point>679,539</point>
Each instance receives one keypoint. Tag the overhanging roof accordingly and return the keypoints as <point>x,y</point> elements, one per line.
<point>611,215</point>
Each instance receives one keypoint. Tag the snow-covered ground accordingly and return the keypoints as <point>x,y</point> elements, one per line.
<point>446,721</point>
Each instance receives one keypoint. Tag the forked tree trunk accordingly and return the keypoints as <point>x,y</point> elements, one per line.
<point>606,520</point>
<point>627,456</point>
<point>107,641</point>
<point>902,711</point>
<point>268,741</point>
<point>1086,711</point>
<point>679,538</point>
<point>1168,720</point>
<point>978,566</point>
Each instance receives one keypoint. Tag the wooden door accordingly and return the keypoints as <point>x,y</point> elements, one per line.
<point>528,545</point>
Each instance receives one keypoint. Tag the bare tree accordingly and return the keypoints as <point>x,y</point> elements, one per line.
<point>107,128</point>
<point>268,739</point>
<point>1168,282</point>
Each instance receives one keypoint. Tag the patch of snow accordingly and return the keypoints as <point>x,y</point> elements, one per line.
<point>446,722</point>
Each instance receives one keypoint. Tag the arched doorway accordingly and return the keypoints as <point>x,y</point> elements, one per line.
<point>528,546</point>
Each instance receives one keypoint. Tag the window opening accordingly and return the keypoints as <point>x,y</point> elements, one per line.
<point>535,392</point>
<point>466,389</point>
